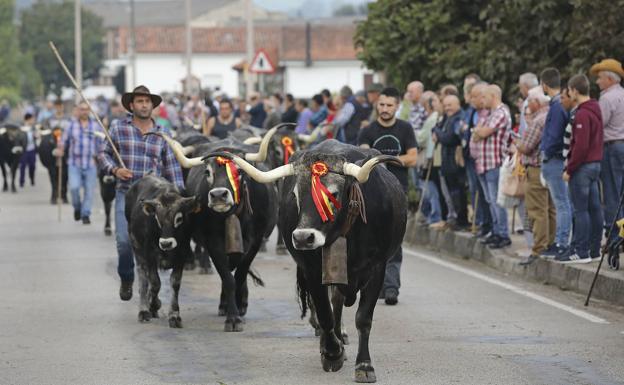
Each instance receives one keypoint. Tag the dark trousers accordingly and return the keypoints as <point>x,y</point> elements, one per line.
<point>53,174</point>
<point>392,279</point>
<point>456,184</point>
<point>28,159</point>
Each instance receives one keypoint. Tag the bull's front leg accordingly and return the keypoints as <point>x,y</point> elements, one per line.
<point>144,314</point>
<point>174,309</point>
<point>5,185</point>
<point>154,289</point>
<point>107,210</point>
<point>233,321</point>
<point>364,371</point>
<point>332,351</point>
<point>13,176</point>
<point>337,301</point>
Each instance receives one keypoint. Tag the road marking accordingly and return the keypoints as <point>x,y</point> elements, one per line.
<point>547,301</point>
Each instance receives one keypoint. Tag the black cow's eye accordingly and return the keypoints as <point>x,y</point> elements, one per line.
<point>177,220</point>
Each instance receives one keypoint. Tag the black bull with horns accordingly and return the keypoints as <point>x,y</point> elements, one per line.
<point>370,243</point>
<point>228,197</point>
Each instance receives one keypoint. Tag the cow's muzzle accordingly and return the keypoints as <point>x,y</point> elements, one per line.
<point>167,244</point>
<point>220,199</point>
<point>308,239</point>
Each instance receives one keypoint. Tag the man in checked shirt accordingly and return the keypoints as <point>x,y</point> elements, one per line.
<point>539,204</point>
<point>141,154</point>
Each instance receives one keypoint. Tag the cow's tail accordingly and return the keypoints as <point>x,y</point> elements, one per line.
<point>255,278</point>
<point>302,292</point>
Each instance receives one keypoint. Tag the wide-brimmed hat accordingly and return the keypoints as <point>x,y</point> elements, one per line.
<point>128,97</point>
<point>611,65</point>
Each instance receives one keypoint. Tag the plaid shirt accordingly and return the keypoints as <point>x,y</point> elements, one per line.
<point>490,151</point>
<point>141,154</point>
<point>532,136</point>
<point>81,143</point>
<point>475,147</point>
<point>417,116</point>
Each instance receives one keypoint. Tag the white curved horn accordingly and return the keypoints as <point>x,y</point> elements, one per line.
<point>261,155</point>
<point>263,176</point>
<point>100,134</point>
<point>305,138</point>
<point>362,173</point>
<point>253,140</point>
<point>178,151</point>
<point>186,150</point>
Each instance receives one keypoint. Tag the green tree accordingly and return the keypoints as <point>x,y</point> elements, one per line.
<point>55,21</point>
<point>9,69</point>
<point>440,41</point>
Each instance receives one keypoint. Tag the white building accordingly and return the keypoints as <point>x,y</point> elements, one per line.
<point>308,56</point>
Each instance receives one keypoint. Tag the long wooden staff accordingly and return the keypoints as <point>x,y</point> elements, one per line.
<point>97,118</point>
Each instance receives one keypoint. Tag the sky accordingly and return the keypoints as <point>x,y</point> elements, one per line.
<point>306,8</point>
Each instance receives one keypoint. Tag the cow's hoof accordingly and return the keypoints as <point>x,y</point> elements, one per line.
<point>5,188</point>
<point>108,232</point>
<point>206,271</point>
<point>189,266</point>
<point>154,307</point>
<point>333,364</point>
<point>13,190</point>
<point>144,316</point>
<point>281,250</point>
<point>175,322</point>
<point>365,373</point>
<point>345,339</point>
<point>222,311</point>
<point>235,325</point>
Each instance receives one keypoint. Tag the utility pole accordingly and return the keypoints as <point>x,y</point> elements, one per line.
<point>249,83</point>
<point>78,45</point>
<point>132,47</point>
<point>189,47</point>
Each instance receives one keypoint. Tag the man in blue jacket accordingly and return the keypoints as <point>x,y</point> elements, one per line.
<point>553,162</point>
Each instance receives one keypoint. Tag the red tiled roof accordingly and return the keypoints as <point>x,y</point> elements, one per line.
<point>288,42</point>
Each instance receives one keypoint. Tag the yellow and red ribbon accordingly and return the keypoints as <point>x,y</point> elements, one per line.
<point>321,195</point>
<point>287,143</point>
<point>233,176</point>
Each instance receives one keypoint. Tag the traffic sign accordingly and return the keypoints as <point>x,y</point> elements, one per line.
<point>261,64</point>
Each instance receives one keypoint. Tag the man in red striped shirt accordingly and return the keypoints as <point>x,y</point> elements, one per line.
<point>492,137</point>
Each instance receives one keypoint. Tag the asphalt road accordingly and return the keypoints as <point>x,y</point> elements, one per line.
<point>61,320</point>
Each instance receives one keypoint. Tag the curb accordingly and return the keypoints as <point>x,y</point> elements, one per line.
<point>578,278</point>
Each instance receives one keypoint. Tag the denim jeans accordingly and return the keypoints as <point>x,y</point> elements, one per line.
<point>84,178</point>
<point>431,202</point>
<point>125,263</point>
<point>489,183</point>
<point>482,216</point>
<point>588,218</point>
<point>612,174</point>
<point>392,279</point>
<point>552,170</point>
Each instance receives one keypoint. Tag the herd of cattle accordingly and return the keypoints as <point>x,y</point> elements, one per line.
<point>237,190</point>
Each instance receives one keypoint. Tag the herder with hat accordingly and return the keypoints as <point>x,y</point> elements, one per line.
<point>141,155</point>
<point>609,74</point>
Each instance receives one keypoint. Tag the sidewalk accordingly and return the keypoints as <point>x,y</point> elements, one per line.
<point>575,277</point>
